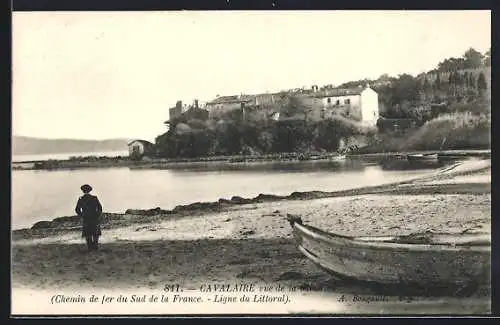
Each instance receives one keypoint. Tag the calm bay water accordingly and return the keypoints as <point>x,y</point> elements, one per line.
<point>45,195</point>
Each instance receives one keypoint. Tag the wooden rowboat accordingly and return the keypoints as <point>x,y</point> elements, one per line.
<point>425,259</point>
<point>420,157</point>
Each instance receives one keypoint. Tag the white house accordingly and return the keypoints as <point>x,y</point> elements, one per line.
<point>359,103</point>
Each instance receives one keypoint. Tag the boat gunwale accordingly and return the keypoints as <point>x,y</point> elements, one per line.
<point>317,234</point>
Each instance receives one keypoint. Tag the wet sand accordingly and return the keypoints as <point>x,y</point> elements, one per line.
<point>252,243</point>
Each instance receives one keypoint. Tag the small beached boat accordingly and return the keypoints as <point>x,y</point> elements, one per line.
<point>425,259</point>
<point>422,157</point>
<point>340,157</point>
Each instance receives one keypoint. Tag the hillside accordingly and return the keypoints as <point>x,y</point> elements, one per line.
<point>22,145</point>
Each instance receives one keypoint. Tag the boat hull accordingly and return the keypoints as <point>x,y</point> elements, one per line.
<point>338,158</point>
<point>428,157</point>
<point>391,263</point>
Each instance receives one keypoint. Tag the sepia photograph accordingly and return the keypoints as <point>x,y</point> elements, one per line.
<point>283,163</point>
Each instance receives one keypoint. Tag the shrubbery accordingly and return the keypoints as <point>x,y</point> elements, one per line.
<point>460,130</point>
<point>449,131</point>
<point>234,137</point>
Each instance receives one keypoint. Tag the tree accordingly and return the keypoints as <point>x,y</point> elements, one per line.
<point>266,141</point>
<point>481,83</point>
<point>461,86</point>
<point>452,84</point>
<point>452,64</point>
<point>230,138</point>
<point>487,58</point>
<point>384,77</point>
<point>419,87</point>
<point>460,79</point>
<point>473,59</point>
<point>471,86</point>
<point>451,80</point>
<point>202,143</point>
<point>427,88</point>
<point>472,82</point>
<point>437,84</point>
<point>405,89</point>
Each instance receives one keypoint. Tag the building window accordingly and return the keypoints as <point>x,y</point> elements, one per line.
<point>337,102</point>
<point>347,101</point>
<point>347,113</point>
<point>328,100</point>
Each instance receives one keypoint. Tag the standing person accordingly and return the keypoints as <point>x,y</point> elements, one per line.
<point>90,209</point>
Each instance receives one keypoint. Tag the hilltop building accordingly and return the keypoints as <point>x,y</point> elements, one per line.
<point>359,103</point>
<point>177,110</point>
<point>223,104</point>
<point>183,113</point>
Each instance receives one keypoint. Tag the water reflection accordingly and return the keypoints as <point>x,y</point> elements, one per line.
<point>311,166</point>
<point>283,166</point>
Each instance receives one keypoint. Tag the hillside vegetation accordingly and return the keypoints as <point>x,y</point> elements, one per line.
<point>446,108</point>
<point>199,138</point>
<point>466,127</point>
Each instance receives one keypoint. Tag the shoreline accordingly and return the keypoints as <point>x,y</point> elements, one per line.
<point>162,163</point>
<point>251,242</point>
<point>434,183</point>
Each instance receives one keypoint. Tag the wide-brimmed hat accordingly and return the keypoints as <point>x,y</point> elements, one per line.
<point>86,188</point>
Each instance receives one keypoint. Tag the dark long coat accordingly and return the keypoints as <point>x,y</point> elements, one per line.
<point>90,209</point>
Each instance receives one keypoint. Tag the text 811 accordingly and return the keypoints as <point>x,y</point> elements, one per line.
<point>172,288</point>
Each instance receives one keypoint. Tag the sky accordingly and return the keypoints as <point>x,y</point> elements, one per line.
<point>102,75</point>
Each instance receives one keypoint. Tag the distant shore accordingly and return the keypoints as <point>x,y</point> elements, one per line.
<point>161,163</point>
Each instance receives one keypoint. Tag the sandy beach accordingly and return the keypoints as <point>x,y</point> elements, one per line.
<point>253,243</point>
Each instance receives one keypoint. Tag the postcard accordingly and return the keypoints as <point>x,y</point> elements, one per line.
<point>251,163</point>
